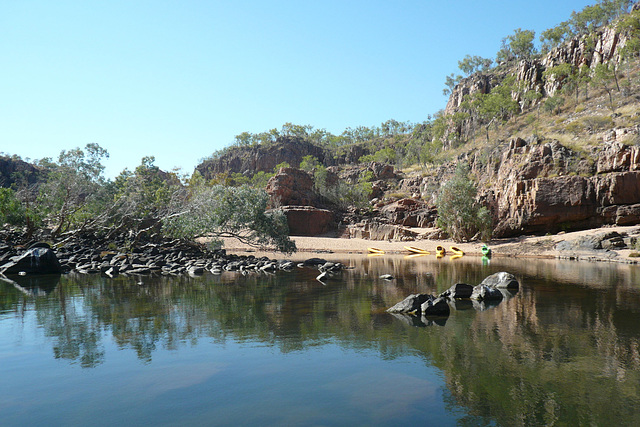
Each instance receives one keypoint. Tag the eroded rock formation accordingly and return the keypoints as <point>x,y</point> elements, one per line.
<point>542,187</point>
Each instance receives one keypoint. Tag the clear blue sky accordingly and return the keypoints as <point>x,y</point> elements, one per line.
<point>179,79</point>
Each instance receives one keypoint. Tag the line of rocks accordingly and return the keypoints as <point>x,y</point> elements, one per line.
<point>492,289</point>
<point>169,258</point>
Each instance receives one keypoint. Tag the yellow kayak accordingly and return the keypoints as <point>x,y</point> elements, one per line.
<point>375,251</point>
<point>440,251</point>
<point>415,250</point>
<point>456,251</point>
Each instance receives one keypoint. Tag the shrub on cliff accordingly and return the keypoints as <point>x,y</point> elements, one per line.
<point>458,213</point>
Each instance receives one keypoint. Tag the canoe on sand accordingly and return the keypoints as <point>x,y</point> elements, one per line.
<point>375,251</point>
<point>456,250</point>
<point>415,250</point>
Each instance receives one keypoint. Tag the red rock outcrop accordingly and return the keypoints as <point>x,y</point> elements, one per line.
<point>307,220</point>
<point>529,198</point>
<point>374,229</point>
<point>291,186</point>
<point>292,189</point>
<point>409,213</point>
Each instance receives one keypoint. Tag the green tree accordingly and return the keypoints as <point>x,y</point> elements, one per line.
<point>236,212</point>
<point>497,106</point>
<point>144,197</point>
<point>73,195</point>
<point>281,165</point>
<point>518,45</point>
<point>458,212</point>
<point>11,210</point>
<point>629,25</point>
<point>567,76</point>
<point>309,163</point>
<point>450,82</point>
<point>604,76</point>
<point>384,155</point>
<point>474,64</point>
<point>553,103</point>
<point>554,36</point>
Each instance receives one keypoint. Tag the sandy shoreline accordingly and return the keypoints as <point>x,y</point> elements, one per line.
<point>524,246</point>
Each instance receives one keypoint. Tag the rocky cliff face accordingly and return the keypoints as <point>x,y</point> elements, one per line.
<point>16,171</point>
<point>262,158</point>
<point>540,187</point>
<point>601,46</point>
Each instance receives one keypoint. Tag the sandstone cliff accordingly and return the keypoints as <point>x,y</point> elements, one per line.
<point>542,186</point>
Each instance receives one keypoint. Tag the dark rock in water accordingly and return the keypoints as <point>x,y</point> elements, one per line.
<point>34,261</point>
<point>312,262</point>
<point>387,277</point>
<point>502,280</point>
<point>459,290</point>
<point>486,293</point>
<point>332,267</point>
<point>411,303</point>
<point>435,307</point>
<point>196,271</point>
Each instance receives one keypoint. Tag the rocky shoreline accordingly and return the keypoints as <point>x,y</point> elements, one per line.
<point>175,257</point>
<point>168,258</point>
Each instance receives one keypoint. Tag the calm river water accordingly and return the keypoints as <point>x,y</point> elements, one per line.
<point>285,349</point>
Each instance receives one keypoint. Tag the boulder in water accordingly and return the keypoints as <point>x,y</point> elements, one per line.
<point>34,261</point>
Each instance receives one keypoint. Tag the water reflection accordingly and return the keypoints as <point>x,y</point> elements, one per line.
<point>33,285</point>
<point>565,349</point>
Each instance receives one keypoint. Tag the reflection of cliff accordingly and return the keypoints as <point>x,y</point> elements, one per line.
<point>557,352</point>
<point>561,354</point>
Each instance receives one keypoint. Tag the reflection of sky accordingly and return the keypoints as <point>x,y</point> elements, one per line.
<point>215,384</point>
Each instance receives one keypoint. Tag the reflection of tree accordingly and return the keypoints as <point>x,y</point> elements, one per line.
<point>76,333</point>
<point>557,353</point>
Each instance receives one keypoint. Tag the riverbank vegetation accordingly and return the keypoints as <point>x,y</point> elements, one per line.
<point>72,197</point>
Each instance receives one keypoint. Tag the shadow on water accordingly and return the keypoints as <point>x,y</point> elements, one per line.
<point>563,350</point>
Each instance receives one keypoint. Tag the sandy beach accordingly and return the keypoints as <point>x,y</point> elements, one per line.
<point>524,246</point>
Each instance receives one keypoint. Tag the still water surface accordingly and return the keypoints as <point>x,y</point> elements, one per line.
<point>285,349</point>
